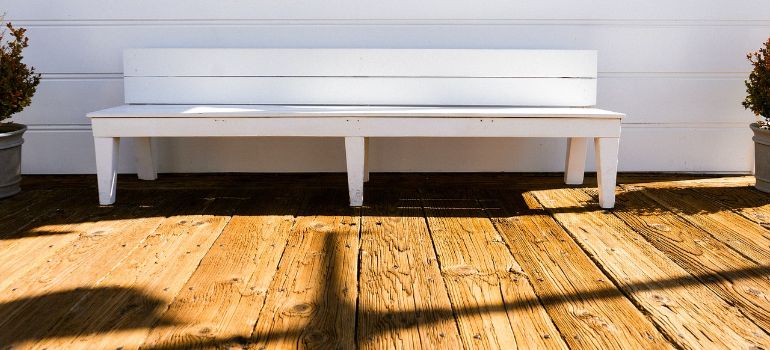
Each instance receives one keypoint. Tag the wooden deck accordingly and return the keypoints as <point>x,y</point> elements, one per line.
<point>448,261</point>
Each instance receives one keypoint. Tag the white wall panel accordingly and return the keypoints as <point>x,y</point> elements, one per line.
<point>336,10</point>
<point>676,68</point>
<point>622,48</point>
<point>66,101</point>
<point>646,99</point>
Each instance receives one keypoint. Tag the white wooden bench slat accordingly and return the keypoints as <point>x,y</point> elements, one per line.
<point>355,126</point>
<point>363,90</point>
<point>166,62</point>
<point>293,111</point>
<point>357,94</point>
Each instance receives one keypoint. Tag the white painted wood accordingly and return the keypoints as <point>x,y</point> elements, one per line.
<point>682,111</point>
<point>576,92</point>
<point>145,166</point>
<point>320,62</point>
<point>366,159</point>
<point>344,127</point>
<point>607,169</point>
<point>425,11</point>
<point>310,111</point>
<point>355,155</point>
<point>624,47</point>
<point>106,149</point>
<point>574,169</point>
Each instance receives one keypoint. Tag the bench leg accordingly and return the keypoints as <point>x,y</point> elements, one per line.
<point>607,169</point>
<point>106,149</point>
<point>575,166</point>
<point>366,159</point>
<point>354,155</point>
<point>145,168</point>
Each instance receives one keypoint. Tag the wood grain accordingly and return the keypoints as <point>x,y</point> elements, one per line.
<point>495,304</point>
<point>158,267</point>
<point>746,236</point>
<point>224,296</point>
<point>689,313</point>
<point>732,276</point>
<point>100,245</point>
<point>589,311</point>
<point>403,302</point>
<point>448,261</point>
<point>311,302</point>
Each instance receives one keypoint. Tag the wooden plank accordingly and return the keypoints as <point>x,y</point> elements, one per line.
<point>43,295</point>
<point>745,236</point>
<point>42,228</point>
<point>21,203</point>
<point>344,127</point>
<point>403,302</point>
<point>155,271</point>
<point>658,181</point>
<point>742,198</point>
<point>391,62</point>
<point>311,302</point>
<point>735,278</point>
<point>223,298</point>
<point>546,92</point>
<point>686,311</point>
<point>495,305</point>
<point>589,311</point>
<point>294,111</point>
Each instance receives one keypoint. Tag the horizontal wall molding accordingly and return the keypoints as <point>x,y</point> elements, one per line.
<point>391,22</point>
<point>650,75</point>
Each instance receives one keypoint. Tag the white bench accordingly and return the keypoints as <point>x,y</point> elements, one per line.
<point>357,94</point>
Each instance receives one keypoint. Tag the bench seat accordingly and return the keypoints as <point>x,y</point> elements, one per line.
<point>294,111</point>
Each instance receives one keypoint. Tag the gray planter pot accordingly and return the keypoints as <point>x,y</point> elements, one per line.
<point>761,157</point>
<point>10,158</point>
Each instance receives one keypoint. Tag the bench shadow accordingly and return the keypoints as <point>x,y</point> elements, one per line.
<point>140,199</point>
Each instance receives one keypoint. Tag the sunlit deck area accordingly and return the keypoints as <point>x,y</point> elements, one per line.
<point>444,261</point>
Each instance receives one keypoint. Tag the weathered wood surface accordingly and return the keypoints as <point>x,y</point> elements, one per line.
<point>688,312</point>
<point>447,261</point>
<point>311,302</point>
<point>590,311</point>
<point>734,277</point>
<point>403,302</point>
<point>159,267</point>
<point>228,289</point>
<point>750,238</point>
<point>42,296</point>
<point>493,299</point>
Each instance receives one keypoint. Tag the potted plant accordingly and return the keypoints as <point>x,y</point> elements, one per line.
<point>17,85</point>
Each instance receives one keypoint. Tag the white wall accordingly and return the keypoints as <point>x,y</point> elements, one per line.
<point>675,67</point>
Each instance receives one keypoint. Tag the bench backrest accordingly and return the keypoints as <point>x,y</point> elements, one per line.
<point>449,77</point>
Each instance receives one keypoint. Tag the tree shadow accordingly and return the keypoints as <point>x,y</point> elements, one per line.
<point>32,326</point>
